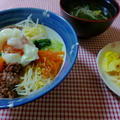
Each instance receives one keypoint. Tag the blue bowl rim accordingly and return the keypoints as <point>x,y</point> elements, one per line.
<point>72,64</point>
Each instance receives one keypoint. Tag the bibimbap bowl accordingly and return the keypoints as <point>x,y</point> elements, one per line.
<point>54,32</point>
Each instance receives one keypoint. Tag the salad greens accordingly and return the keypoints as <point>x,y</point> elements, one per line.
<point>47,44</point>
<point>55,46</point>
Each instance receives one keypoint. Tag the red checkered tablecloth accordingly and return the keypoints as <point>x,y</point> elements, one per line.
<point>82,95</point>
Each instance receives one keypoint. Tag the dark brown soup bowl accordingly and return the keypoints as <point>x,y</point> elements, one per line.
<point>89,28</point>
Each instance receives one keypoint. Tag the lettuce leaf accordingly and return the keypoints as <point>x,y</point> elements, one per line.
<point>55,46</point>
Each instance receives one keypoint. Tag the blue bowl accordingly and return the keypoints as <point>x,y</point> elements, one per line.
<point>62,27</point>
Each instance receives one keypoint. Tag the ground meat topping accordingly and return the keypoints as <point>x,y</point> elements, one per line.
<point>9,77</point>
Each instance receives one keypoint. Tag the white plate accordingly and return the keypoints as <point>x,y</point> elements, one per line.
<point>115,46</point>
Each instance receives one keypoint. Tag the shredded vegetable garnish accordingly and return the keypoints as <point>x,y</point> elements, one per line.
<point>50,62</point>
<point>31,81</point>
<point>33,31</point>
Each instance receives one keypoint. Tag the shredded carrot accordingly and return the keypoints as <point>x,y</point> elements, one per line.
<point>2,61</point>
<point>11,49</point>
<point>50,62</point>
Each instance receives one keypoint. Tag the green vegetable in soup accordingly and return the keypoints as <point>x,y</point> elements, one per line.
<point>42,43</point>
<point>0,53</point>
<point>86,13</point>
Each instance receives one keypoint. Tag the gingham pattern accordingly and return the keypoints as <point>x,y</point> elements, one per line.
<point>82,95</point>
